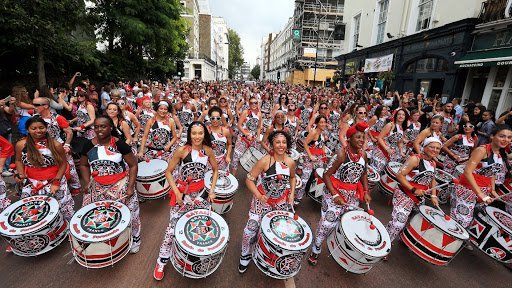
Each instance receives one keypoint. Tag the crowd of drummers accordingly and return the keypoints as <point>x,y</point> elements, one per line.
<point>82,140</point>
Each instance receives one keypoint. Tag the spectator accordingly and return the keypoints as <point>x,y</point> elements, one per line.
<point>459,111</point>
<point>505,118</point>
<point>484,132</point>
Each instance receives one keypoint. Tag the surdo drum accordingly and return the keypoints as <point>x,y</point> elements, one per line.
<point>101,234</point>
<point>433,237</point>
<point>442,177</point>
<point>491,232</point>
<point>250,157</point>
<point>315,185</point>
<point>151,182</point>
<point>505,189</point>
<point>388,182</point>
<point>200,243</point>
<point>225,190</point>
<point>282,243</point>
<point>355,245</point>
<point>294,154</point>
<point>33,225</point>
<point>459,170</point>
<point>373,177</point>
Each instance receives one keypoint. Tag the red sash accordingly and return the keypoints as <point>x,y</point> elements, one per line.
<point>110,179</point>
<point>410,194</point>
<point>182,185</point>
<point>45,173</point>
<point>481,181</point>
<point>340,185</point>
<point>316,151</point>
<point>274,201</point>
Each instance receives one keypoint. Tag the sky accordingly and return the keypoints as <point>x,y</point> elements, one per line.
<point>253,19</point>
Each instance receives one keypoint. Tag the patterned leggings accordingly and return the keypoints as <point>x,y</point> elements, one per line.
<point>402,208</point>
<point>74,181</point>
<point>4,201</point>
<point>174,215</point>
<point>331,215</point>
<point>308,167</point>
<point>251,230</point>
<point>462,204</point>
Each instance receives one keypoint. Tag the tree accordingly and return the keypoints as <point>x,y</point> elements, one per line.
<point>236,53</point>
<point>143,38</point>
<point>40,34</point>
<point>255,72</point>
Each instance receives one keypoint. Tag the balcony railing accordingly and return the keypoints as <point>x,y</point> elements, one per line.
<point>493,10</point>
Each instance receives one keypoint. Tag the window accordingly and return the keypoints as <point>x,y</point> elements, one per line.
<point>428,65</point>
<point>356,23</point>
<point>381,23</point>
<point>424,14</point>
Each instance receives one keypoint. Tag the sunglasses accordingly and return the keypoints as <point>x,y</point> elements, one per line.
<point>215,118</point>
<point>81,96</point>
<point>361,113</point>
<point>38,105</point>
<point>292,109</point>
<point>323,108</point>
<point>222,100</point>
<point>253,103</point>
<point>468,126</point>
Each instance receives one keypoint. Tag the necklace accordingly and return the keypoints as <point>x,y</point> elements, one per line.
<point>354,157</point>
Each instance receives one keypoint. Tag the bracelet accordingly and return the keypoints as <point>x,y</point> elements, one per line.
<point>67,145</point>
<point>55,181</point>
<point>433,196</point>
<point>82,127</point>
<point>335,196</point>
<point>250,177</point>
<point>486,198</point>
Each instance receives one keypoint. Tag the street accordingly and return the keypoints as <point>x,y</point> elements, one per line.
<point>404,269</point>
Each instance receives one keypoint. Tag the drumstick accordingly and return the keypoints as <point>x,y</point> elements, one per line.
<point>454,180</point>
<point>499,198</point>
<point>370,212</point>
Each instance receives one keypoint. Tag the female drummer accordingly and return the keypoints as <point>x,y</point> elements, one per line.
<point>41,163</point>
<point>292,122</point>
<point>120,125</point>
<point>377,123</point>
<point>187,191</point>
<point>221,138</point>
<point>277,124</point>
<point>85,115</point>
<point>144,113</point>
<point>249,126</point>
<point>6,151</point>
<point>160,133</point>
<point>414,178</point>
<point>346,183</point>
<point>477,183</point>
<point>109,170</point>
<point>459,147</point>
<point>314,153</point>
<point>274,190</point>
<point>433,131</point>
<point>390,141</point>
<point>412,131</point>
<point>360,116</point>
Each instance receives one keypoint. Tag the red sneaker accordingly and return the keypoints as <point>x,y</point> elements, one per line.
<point>8,249</point>
<point>158,274</point>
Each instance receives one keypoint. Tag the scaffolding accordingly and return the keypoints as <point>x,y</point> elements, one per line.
<point>316,19</point>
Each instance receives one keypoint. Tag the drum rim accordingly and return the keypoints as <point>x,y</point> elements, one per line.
<point>378,225</point>
<point>223,191</point>
<point>52,203</point>
<point>147,163</point>
<point>217,247</point>
<point>77,217</point>
<point>421,210</point>
<point>308,235</point>
<point>495,221</point>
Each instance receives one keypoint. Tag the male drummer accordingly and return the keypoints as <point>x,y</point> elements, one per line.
<point>346,183</point>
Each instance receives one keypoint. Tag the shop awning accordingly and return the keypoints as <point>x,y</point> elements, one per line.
<point>498,57</point>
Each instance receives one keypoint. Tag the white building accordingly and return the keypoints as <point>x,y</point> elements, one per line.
<point>281,54</point>
<point>265,55</point>
<point>221,46</point>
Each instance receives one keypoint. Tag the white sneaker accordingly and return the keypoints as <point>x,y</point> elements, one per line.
<point>7,174</point>
<point>135,247</point>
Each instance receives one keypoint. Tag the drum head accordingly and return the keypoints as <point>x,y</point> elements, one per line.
<point>151,168</point>
<point>443,177</point>
<point>202,232</point>
<point>450,227</point>
<point>282,230</point>
<point>100,221</point>
<point>502,219</point>
<point>256,153</point>
<point>225,184</point>
<point>394,166</point>
<point>356,226</point>
<point>373,176</point>
<point>460,169</point>
<point>320,172</point>
<point>23,216</point>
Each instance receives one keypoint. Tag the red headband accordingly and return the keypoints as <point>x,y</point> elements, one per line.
<point>361,127</point>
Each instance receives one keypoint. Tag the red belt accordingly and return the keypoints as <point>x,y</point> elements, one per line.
<point>340,185</point>
<point>481,181</point>
<point>182,186</point>
<point>316,151</point>
<point>410,194</point>
<point>45,173</point>
<point>110,179</point>
<point>274,201</point>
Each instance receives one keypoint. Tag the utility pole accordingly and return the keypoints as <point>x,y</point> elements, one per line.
<point>316,49</point>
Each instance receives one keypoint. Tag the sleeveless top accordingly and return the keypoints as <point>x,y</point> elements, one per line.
<point>491,165</point>
<point>48,159</point>
<point>144,116</point>
<point>291,125</point>
<point>350,171</point>
<point>318,143</point>
<point>266,106</point>
<point>305,115</point>
<point>54,129</point>
<point>160,134</point>
<point>219,143</point>
<point>130,123</point>
<point>463,146</point>
<point>195,165</point>
<point>251,121</point>
<point>423,173</point>
<point>394,136</point>
<point>275,181</point>
<point>185,115</point>
<point>82,115</point>
<point>379,124</point>
<point>107,160</point>
<point>412,131</point>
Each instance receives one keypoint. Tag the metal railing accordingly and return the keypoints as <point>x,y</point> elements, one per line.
<point>492,10</point>
<point>323,8</point>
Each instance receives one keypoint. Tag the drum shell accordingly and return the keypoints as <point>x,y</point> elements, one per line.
<point>426,241</point>
<point>249,158</point>
<point>458,171</point>
<point>486,235</point>
<point>153,186</point>
<point>373,177</point>
<point>190,265</point>
<point>444,192</point>
<point>388,182</point>
<point>101,254</point>
<point>316,186</point>
<point>224,195</point>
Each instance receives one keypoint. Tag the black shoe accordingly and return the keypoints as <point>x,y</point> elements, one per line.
<point>242,268</point>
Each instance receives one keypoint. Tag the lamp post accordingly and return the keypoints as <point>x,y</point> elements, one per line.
<point>316,50</point>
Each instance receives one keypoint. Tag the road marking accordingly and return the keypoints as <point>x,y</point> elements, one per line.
<point>289,283</point>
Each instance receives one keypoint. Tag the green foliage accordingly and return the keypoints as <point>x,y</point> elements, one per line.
<point>255,72</point>
<point>236,53</point>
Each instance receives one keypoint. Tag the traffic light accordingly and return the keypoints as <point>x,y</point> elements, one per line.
<point>180,68</point>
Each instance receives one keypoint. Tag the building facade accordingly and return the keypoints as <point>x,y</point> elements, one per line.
<point>488,63</point>
<point>414,42</point>
<point>281,54</point>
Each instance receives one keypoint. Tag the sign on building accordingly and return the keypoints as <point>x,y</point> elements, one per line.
<point>310,52</point>
<point>296,34</point>
<point>380,64</point>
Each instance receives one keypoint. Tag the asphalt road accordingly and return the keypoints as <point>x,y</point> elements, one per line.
<point>404,269</point>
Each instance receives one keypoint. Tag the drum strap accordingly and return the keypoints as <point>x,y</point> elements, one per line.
<point>410,194</point>
<point>340,185</point>
<point>110,179</point>
<point>275,201</point>
<point>182,186</point>
<point>316,151</point>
